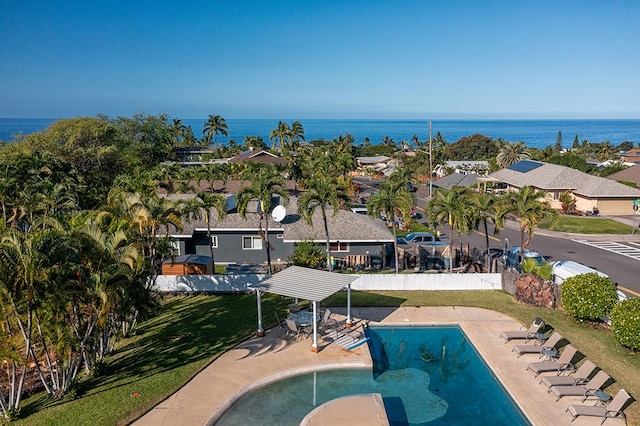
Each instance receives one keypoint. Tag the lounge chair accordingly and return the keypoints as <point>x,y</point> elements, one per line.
<point>282,326</point>
<point>539,348</point>
<point>523,334</point>
<point>585,391</point>
<point>563,363</point>
<point>614,409</point>
<point>581,376</point>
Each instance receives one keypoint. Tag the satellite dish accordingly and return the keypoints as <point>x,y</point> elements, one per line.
<point>279,213</point>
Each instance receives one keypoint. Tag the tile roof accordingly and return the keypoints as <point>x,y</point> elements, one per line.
<point>552,177</point>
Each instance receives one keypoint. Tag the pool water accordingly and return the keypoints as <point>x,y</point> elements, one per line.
<point>426,375</point>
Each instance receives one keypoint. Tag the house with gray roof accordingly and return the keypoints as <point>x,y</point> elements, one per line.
<point>456,180</point>
<point>236,240</point>
<point>631,174</point>
<point>590,192</point>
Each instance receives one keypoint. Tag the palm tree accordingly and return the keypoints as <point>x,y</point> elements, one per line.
<point>451,207</point>
<point>297,134</point>
<point>214,125</point>
<point>484,210</point>
<point>391,200</point>
<point>322,191</point>
<point>606,150</point>
<point>265,182</point>
<point>202,206</point>
<point>511,153</point>
<point>526,206</point>
<point>281,136</point>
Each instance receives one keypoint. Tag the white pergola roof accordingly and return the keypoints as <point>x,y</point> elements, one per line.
<point>305,283</point>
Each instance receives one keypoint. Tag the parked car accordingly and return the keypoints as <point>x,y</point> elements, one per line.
<point>564,269</point>
<point>424,238</point>
<point>511,258</point>
<point>411,187</point>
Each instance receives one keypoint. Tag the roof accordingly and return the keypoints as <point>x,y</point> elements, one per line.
<point>552,177</point>
<point>258,156</point>
<point>305,283</point>
<point>373,160</point>
<point>632,174</point>
<point>456,179</point>
<point>346,226</point>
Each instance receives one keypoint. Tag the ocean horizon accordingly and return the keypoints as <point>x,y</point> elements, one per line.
<point>535,133</point>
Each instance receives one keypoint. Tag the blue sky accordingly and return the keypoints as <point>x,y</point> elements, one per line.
<point>301,59</point>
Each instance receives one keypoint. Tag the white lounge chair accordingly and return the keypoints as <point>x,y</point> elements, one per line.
<point>614,409</point>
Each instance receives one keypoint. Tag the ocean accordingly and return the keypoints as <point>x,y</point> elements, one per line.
<point>534,133</point>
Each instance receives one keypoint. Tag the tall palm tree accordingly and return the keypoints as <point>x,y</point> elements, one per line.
<point>606,150</point>
<point>265,182</point>
<point>484,211</point>
<point>391,200</point>
<point>322,191</point>
<point>297,134</point>
<point>214,125</point>
<point>451,207</point>
<point>526,205</point>
<point>201,207</point>
<point>281,136</point>
<point>511,153</point>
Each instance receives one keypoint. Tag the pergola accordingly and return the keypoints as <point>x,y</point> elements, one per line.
<point>304,283</point>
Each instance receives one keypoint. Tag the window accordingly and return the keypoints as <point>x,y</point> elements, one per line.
<point>214,241</point>
<point>251,243</point>
<point>338,246</point>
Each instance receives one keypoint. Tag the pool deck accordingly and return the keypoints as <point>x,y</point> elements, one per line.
<point>260,360</point>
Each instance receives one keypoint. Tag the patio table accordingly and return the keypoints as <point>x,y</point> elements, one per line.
<point>303,318</point>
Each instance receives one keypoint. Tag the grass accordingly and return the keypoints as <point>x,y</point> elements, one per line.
<point>191,331</point>
<point>587,225</point>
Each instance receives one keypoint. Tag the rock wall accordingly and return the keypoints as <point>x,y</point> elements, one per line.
<point>534,290</point>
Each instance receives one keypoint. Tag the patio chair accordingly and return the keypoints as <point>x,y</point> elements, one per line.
<point>614,409</point>
<point>578,377</point>
<point>524,334</point>
<point>585,390</point>
<point>538,348</point>
<point>563,363</point>
<point>293,308</point>
<point>282,326</point>
<point>295,330</point>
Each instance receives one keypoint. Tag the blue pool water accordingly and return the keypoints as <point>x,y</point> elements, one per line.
<point>427,376</point>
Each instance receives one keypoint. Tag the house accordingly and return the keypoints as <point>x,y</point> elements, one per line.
<point>456,180</point>
<point>632,174</point>
<point>237,240</point>
<point>465,167</point>
<point>258,156</point>
<point>381,164</point>
<point>590,192</point>
<point>631,156</point>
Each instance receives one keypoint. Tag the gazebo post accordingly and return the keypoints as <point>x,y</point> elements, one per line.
<point>314,345</point>
<point>260,332</point>
<point>348,322</point>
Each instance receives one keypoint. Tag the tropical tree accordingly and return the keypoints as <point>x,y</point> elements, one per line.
<point>321,192</point>
<point>606,151</point>
<point>451,207</point>
<point>201,207</point>
<point>484,211</point>
<point>281,136</point>
<point>391,200</point>
<point>511,153</point>
<point>296,134</point>
<point>527,207</point>
<point>265,182</point>
<point>213,126</point>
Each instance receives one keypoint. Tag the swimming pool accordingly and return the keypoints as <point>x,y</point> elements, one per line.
<point>426,375</point>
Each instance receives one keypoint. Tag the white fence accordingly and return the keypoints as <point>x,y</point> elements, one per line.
<point>240,283</point>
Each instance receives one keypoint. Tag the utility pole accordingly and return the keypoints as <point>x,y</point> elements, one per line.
<point>430,164</point>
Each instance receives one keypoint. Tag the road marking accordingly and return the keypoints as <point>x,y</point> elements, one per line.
<point>614,247</point>
<point>490,236</point>
<point>626,290</point>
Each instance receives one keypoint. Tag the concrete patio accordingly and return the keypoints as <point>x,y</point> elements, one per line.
<point>261,360</point>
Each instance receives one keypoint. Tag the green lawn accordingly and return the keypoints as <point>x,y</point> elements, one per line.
<point>587,225</point>
<point>191,331</point>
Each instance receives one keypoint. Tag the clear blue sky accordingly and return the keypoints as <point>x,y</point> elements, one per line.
<point>321,59</point>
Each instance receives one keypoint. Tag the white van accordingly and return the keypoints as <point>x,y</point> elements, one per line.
<point>564,269</point>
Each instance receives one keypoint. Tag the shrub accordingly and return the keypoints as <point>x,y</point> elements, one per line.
<point>308,254</point>
<point>588,296</point>
<point>530,266</point>
<point>625,322</point>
